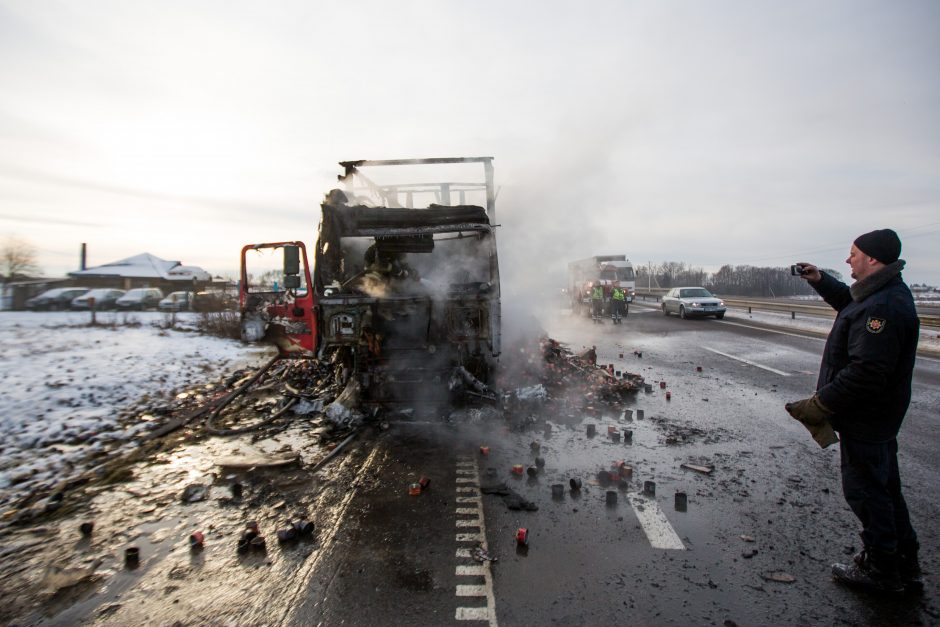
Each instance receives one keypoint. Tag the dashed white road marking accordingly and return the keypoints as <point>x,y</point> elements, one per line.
<point>464,590</point>
<point>768,330</point>
<point>470,537</point>
<point>468,522</point>
<point>467,566</point>
<point>655,524</point>
<point>475,613</point>
<point>748,362</point>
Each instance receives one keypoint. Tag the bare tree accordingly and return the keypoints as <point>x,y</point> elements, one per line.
<point>17,259</point>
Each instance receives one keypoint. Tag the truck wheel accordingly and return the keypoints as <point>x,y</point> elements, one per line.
<point>719,316</point>
<point>665,313</point>
<point>682,312</point>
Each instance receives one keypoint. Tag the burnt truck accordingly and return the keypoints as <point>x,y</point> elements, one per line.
<point>603,270</point>
<point>403,293</point>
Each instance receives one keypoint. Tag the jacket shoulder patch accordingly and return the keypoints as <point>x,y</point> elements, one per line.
<point>875,325</point>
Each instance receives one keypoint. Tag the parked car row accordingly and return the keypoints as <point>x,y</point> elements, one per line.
<point>139,299</point>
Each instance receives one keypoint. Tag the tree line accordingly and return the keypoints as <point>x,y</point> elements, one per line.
<point>728,280</point>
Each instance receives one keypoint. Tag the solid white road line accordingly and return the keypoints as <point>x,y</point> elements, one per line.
<point>655,524</point>
<point>748,362</point>
<point>768,330</point>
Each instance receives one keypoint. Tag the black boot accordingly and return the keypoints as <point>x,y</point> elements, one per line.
<point>870,570</point>
<point>909,569</point>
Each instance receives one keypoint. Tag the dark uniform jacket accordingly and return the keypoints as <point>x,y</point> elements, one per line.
<point>865,376</point>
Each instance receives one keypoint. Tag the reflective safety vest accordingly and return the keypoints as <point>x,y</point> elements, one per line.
<point>618,294</point>
<point>597,293</point>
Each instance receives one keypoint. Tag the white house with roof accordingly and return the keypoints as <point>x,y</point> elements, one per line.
<point>144,270</point>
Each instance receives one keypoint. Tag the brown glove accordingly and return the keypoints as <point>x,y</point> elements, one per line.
<point>815,417</point>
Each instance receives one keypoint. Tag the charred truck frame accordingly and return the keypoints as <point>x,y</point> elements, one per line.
<point>404,298</point>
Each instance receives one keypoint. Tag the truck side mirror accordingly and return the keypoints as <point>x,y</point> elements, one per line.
<point>291,261</point>
<point>291,281</point>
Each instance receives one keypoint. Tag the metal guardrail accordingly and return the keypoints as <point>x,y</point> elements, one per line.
<point>784,306</point>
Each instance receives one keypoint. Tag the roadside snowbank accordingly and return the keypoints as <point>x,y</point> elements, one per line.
<point>69,388</point>
<point>929,338</point>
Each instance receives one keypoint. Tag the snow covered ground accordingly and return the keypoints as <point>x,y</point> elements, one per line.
<point>70,388</point>
<point>929,338</point>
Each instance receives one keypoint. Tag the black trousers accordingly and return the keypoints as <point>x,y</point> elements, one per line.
<point>872,488</point>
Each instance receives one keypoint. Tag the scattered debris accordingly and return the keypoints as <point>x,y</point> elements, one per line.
<point>132,556</point>
<point>778,575</point>
<point>256,460</point>
<point>511,498</point>
<point>482,555</point>
<point>705,470</point>
<point>196,540</point>
<point>57,578</point>
<point>194,492</point>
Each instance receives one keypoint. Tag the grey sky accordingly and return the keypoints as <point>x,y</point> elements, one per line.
<point>710,133</point>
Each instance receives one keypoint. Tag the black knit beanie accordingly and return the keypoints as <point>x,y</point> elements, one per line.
<point>883,244</point>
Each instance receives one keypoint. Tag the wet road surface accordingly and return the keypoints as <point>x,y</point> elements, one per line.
<point>771,509</point>
<point>753,544</point>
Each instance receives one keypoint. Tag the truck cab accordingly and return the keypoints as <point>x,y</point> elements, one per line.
<point>404,289</point>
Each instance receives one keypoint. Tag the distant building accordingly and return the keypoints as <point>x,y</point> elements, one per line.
<point>144,270</point>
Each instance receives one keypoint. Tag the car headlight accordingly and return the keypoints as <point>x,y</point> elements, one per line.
<point>721,303</point>
<point>696,304</point>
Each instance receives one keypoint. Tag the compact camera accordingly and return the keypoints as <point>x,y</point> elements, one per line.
<point>798,270</point>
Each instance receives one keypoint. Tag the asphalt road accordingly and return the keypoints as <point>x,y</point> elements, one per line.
<point>753,545</point>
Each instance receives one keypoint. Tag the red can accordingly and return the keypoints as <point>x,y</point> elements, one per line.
<point>662,385</point>
<point>611,429</point>
<point>668,396</point>
<point>484,450</point>
<point>424,482</point>
<point>414,489</point>
<point>522,536</point>
<point>517,469</point>
<point>698,368</point>
<point>196,539</point>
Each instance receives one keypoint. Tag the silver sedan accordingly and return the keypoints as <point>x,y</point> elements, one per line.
<point>692,301</point>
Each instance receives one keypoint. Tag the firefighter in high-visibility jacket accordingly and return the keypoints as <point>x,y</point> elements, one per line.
<point>597,302</point>
<point>618,301</point>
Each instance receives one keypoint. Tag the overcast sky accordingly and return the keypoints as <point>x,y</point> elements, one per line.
<point>754,132</point>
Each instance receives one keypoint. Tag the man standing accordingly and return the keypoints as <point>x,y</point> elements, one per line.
<point>618,298</point>
<point>863,391</point>
<point>597,302</point>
